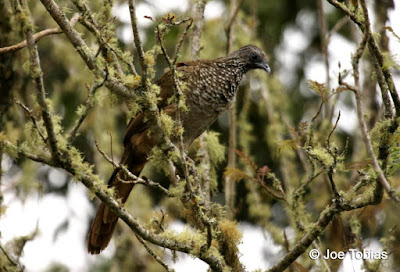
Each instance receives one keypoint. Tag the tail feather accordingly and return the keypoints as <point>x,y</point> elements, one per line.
<point>138,144</point>
<point>101,232</point>
<point>105,221</point>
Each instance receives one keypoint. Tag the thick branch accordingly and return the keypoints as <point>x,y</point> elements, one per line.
<point>70,32</point>
<point>197,28</point>
<point>37,75</point>
<point>302,245</point>
<point>230,192</point>
<point>138,41</point>
<point>12,149</point>
<point>202,153</point>
<point>318,228</point>
<point>214,262</point>
<point>88,180</point>
<point>366,137</point>
<point>82,48</point>
<point>114,86</point>
<point>360,113</point>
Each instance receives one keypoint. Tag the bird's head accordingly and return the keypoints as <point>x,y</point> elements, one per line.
<point>253,58</point>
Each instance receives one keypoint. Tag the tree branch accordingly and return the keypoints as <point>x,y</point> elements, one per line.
<point>37,36</point>
<point>138,42</point>
<point>153,254</point>
<point>202,153</point>
<point>360,113</point>
<point>28,112</point>
<point>87,19</point>
<point>37,75</point>
<point>230,190</point>
<point>70,32</point>
<point>376,56</point>
<point>13,149</point>
<point>133,178</point>
<point>88,106</point>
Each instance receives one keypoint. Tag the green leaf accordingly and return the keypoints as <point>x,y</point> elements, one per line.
<point>319,88</point>
<point>236,174</point>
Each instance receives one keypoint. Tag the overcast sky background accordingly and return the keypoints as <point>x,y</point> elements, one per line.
<point>49,211</point>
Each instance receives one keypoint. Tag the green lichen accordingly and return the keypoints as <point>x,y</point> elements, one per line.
<point>215,149</point>
<point>322,155</point>
<point>131,81</point>
<point>167,123</point>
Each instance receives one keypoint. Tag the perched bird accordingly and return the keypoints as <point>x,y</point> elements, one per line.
<point>210,88</point>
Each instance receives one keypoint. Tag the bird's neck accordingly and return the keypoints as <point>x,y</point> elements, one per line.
<point>233,63</point>
<point>217,82</point>
<point>232,71</point>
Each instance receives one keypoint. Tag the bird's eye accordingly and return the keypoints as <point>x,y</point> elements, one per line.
<point>254,57</point>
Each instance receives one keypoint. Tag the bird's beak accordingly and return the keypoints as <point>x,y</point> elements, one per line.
<point>265,67</point>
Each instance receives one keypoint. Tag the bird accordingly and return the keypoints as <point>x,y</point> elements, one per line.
<point>211,86</point>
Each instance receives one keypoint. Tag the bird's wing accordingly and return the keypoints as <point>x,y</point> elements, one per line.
<point>138,124</point>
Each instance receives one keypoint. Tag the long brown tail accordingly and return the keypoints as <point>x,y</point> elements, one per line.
<point>105,221</point>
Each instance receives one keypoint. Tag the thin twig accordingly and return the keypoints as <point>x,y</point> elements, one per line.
<point>268,190</point>
<point>87,19</point>
<point>328,140</point>
<point>160,37</point>
<point>347,11</point>
<point>111,146</point>
<point>179,95</point>
<point>28,112</point>
<point>88,106</point>
<point>153,254</point>
<point>8,257</point>
<point>333,154</point>
<point>324,262</point>
<point>376,54</point>
<point>133,178</point>
<point>310,138</point>
<point>232,18</point>
<point>37,36</point>
<point>324,48</point>
<point>183,36</point>
<point>342,22</point>
<point>299,193</point>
